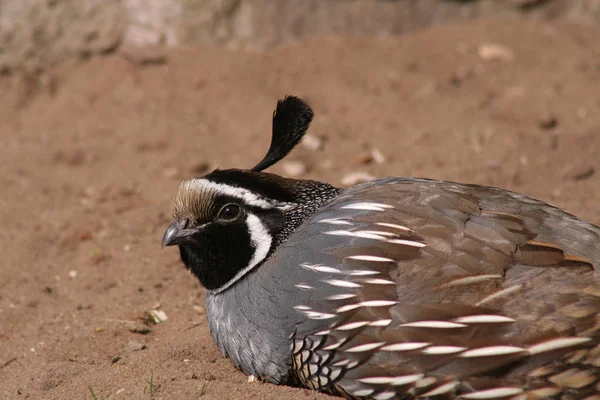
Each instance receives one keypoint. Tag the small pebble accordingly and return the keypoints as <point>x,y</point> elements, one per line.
<point>582,173</point>
<point>199,309</point>
<point>377,156</point>
<point>294,169</point>
<point>127,247</point>
<point>252,379</point>
<point>134,345</point>
<point>355,178</point>
<point>73,274</point>
<point>120,391</point>
<point>141,329</point>
<point>156,316</point>
<point>495,52</point>
<point>549,122</point>
<point>370,157</point>
<point>312,142</point>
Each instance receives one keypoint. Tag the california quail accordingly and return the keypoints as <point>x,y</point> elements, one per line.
<point>396,288</point>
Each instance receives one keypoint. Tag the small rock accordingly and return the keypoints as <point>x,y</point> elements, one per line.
<point>294,169</point>
<point>127,247</point>
<point>377,156</point>
<point>156,316</point>
<point>354,178</point>
<point>252,379</point>
<point>156,306</point>
<point>141,329</point>
<point>120,391</point>
<point>199,309</point>
<point>582,173</point>
<point>73,274</point>
<point>372,156</point>
<point>549,122</point>
<point>312,142</point>
<point>191,375</point>
<point>495,52</point>
<point>135,346</point>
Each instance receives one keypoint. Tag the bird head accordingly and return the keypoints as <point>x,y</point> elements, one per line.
<point>228,222</point>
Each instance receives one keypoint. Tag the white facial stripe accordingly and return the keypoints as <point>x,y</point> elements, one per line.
<point>261,240</point>
<point>244,195</point>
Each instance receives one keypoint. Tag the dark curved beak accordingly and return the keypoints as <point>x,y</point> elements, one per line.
<point>175,234</point>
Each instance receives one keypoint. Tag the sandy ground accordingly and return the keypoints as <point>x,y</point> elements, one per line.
<point>90,161</point>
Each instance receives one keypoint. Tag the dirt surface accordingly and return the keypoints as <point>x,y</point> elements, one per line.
<point>91,157</point>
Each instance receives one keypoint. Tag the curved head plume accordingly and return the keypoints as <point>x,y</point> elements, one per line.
<point>291,120</point>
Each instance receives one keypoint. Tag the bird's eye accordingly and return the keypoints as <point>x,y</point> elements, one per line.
<point>229,212</point>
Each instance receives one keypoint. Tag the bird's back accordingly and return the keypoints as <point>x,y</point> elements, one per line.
<point>423,287</point>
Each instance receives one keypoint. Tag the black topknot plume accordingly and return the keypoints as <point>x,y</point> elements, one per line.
<point>291,120</point>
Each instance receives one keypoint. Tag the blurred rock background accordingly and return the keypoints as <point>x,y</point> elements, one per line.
<point>37,34</point>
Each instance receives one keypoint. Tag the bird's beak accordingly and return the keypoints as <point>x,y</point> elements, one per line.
<point>175,234</point>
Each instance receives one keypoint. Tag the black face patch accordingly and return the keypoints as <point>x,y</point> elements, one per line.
<point>212,255</point>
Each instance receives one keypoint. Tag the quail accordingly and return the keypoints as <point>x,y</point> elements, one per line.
<point>397,288</point>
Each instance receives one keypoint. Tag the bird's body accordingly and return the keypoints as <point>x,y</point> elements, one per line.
<point>396,288</point>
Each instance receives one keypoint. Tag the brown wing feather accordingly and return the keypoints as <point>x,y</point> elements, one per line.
<point>505,286</point>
